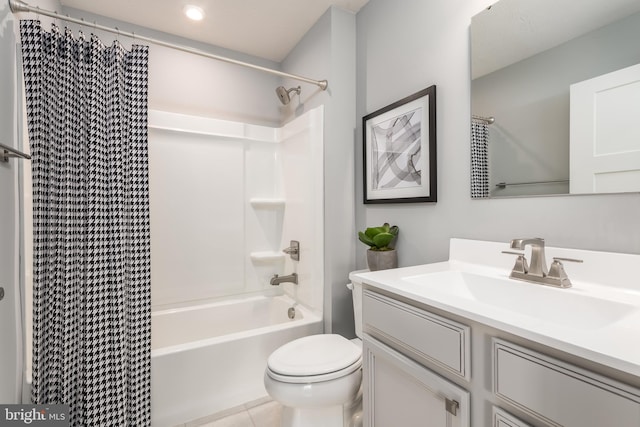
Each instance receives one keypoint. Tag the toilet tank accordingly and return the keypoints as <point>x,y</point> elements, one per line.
<point>356,295</point>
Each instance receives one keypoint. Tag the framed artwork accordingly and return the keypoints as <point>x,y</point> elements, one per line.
<point>400,151</point>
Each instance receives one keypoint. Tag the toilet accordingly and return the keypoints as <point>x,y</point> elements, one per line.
<point>318,378</point>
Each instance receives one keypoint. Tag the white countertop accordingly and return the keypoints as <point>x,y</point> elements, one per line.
<point>597,319</point>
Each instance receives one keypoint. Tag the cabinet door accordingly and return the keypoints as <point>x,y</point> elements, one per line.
<point>400,392</point>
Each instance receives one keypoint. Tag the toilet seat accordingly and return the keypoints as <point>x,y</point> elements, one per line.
<point>314,358</point>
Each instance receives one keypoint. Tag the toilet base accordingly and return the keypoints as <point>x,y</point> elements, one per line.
<point>334,403</point>
<point>332,416</point>
<point>312,417</point>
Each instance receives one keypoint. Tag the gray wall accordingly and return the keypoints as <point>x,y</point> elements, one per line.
<point>327,51</point>
<point>406,45</point>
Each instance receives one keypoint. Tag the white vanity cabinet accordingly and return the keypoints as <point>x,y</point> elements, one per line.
<point>460,343</point>
<point>400,391</point>
<point>417,372</point>
<point>559,393</point>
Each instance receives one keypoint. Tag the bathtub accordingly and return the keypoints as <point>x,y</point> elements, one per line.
<point>211,357</point>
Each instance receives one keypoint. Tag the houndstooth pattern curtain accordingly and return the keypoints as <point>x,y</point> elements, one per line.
<point>87,120</point>
<point>479,159</point>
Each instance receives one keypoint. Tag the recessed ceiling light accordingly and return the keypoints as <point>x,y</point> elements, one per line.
<point>194,12</point>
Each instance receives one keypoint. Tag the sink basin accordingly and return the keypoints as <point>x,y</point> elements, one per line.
<point>559,306</point>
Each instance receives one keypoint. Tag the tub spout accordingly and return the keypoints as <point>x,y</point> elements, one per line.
<point>276,280</point>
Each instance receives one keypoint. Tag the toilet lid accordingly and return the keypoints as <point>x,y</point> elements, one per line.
<point>314,355</point>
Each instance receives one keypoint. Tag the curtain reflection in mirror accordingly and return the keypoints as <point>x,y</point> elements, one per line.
<point>480,157</point>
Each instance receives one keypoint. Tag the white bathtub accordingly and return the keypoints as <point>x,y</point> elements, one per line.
<point>209,358</point>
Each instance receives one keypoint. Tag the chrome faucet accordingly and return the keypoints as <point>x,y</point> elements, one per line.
<point>537,272</point>
<point>276,280</point>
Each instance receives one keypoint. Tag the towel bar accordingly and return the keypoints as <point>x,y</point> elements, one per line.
<point>6,152</point>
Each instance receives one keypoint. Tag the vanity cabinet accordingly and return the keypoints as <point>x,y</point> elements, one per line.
<point>417,372</point>
<point>504,353</point>
<point>399,390</point>
<point>559,393</point>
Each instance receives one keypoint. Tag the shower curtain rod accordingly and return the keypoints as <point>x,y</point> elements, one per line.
<point>20,6</point>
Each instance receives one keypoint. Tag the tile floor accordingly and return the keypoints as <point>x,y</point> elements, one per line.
<point>264,413</point>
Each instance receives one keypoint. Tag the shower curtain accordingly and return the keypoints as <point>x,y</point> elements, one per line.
<point>479,159</point>
<point>87,122</point>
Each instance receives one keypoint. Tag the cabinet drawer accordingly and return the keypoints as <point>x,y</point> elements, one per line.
<point>502,418</point>
<point>559,393</point>
<point>418,333</point>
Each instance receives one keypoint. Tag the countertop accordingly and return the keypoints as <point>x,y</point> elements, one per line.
<point>606,304</point>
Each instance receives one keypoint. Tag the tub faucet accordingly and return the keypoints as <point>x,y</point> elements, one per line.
<point>276,280</point>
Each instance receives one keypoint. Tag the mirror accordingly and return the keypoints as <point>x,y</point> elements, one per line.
<point>555,85</point>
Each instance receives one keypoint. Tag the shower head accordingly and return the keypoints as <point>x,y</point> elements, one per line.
<point>283,94</point>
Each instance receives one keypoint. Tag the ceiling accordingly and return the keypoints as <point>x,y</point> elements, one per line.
<point>267,29</point>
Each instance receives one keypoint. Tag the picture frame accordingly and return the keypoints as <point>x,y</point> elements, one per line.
<point>399,150</point>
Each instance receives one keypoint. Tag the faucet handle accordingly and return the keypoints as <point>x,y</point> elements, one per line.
<point>557,274</point>
<point>557,258</point>
<point>521,265</point>
<point>293,250</point>
<point>512,253</point>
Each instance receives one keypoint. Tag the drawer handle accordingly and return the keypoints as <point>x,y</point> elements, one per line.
<point>451,406</point>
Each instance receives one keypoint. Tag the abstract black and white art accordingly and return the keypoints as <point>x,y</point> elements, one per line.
<point>400,151</point>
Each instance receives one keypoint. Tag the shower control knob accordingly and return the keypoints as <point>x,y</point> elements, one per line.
<point>293,250</point>
<point>1,293</point>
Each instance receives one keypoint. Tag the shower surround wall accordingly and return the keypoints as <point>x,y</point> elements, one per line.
<point>226,198</point>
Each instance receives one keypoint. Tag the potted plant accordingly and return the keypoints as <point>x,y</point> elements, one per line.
<point>381,254</point>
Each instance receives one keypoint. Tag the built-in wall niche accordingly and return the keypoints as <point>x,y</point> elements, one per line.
<point>528,57</point>
<point>265,212</point>
<point>267,203</point>
<point>267,257</point>
<point>269,212</point>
